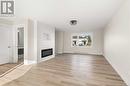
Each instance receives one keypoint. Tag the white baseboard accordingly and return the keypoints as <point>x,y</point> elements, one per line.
<point>117,70</point>
<point>29,62</point>
<point>47,58</point>
<point>83,53</point>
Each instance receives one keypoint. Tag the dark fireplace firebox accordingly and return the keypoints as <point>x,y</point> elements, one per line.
<point>46,52</point>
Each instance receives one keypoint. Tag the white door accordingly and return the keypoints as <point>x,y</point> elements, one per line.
<point>4,45</point>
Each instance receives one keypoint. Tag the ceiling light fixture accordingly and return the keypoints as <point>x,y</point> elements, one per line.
<point>73,22</point>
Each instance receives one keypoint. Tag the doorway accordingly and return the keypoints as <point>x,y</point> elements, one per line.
<point>11,48</point>
<point>20,44</point>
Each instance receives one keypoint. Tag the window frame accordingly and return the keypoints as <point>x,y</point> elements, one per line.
<point>77,39</point>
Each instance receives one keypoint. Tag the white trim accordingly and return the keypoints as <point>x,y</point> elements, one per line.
<point>47,58</point>
<point>29,62</point>
<point>35,40</point>
<point>78,34</point>
<point>15,59</point>
<point>83,53</point>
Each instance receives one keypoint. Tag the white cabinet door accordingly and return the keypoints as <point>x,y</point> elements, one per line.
<point>4,45</point>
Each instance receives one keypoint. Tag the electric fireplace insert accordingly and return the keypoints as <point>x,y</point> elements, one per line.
<point>46,52</point>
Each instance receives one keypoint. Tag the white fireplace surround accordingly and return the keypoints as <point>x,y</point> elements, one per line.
<point>40,36</point>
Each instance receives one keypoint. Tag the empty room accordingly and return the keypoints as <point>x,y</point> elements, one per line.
<point>64,43</point>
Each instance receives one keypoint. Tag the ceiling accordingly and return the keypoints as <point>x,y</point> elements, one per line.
<point>90,14</point>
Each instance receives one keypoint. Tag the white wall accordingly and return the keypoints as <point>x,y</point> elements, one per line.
<point>30,43</point>
<point>42,42</point>
<point>59,42</point>
<point>97,44</point>
<point>65,41</point>
<point>29,54</point>
<point>117,42</point>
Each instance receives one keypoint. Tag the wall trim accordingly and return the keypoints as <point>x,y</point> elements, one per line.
<point>46,58</point>
<point>29,62</point>
<point>84,53</point>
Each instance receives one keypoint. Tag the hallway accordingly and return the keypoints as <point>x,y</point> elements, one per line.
<point>71,70</point>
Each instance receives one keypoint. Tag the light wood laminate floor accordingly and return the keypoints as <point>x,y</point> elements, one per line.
<point>71,70</point>
<point>4,68</point>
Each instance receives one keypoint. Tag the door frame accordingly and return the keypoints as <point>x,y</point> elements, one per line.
<point>15,50</point>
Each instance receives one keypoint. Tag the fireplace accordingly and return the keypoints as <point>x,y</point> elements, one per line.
<point>46,52</point>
